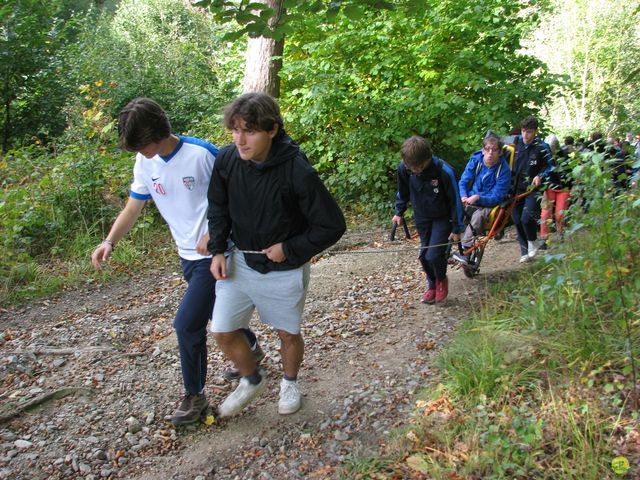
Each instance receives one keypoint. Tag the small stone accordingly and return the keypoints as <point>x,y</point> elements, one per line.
<point>132,439</point>
<point>99,377</point>
<point>84,468</point>
<point>340,436</point>
<point>22,444</point>
<point>8,436</point>
<point>100,455</point>
<point>134,425</point>
<point>150,418</point>
<point>59,362</point>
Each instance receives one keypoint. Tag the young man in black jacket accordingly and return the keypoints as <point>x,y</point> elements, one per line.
<point>532,164</point>
<point>266,196</point>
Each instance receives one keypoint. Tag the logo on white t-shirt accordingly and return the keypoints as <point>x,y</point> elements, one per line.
<point>189,182</point>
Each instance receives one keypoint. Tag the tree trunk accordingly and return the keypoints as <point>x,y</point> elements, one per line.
<point>261,69</point>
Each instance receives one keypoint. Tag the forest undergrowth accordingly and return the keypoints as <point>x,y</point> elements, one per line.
<point>541,381</point>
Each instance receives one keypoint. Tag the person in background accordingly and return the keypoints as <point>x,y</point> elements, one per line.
<point>429,183</point>
<point>484,184</point>
<point>533,161</point>
<point>555,199</point>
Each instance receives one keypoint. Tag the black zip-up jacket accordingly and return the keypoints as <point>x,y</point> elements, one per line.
<point>279,200</point>
<point>531,161</point>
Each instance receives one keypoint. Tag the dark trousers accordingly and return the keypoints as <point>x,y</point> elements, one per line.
<point>525,216</point>
<point>191,321</point>
<point>434,235</point>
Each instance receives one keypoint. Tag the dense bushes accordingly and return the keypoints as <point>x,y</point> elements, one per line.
<point>451,71</point>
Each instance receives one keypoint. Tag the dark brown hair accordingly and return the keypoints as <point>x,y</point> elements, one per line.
<point>142,122</point>
<point>529,122</point>
<point>415,151</point>
<point>259,110</point>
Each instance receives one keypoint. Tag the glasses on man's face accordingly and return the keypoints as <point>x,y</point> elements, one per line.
<point>491,149</point>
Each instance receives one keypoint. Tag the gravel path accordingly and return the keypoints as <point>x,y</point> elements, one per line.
<point>89,377</point>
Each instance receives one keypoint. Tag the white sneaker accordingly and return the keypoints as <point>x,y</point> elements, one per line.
<point>532,248</point>
<point>289,397</point>
<point>524,258</point>
<point>241,397</point>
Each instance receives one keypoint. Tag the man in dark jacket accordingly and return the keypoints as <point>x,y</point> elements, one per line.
<point>532,164</point>
<point>266,196</point>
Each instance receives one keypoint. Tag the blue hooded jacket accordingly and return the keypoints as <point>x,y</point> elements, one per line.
<point>491,183</point>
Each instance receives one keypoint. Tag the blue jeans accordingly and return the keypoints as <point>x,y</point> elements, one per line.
<point>433,259</point>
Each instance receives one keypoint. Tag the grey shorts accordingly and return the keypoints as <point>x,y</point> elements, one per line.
<point>278,296</point>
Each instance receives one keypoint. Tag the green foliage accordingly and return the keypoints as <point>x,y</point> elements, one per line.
<point>255,18</point>
<point>166,50</point>
<point>595,46</point>
<point>32,36</point>
<point>57,203</point>
<point>447,71</point>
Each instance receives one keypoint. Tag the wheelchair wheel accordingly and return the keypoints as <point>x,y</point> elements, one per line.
<point>475,257</point>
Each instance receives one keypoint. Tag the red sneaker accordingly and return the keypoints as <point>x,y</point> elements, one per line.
<point>442,289</point>
<point>429,296</point>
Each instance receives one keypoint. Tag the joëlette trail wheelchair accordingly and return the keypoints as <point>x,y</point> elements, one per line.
<point>499,219</point>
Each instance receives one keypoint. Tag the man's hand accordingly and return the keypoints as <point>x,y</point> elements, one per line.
<point>219,267</point>
<point>101,254</point>
<point>275,253</point>
<point>201,246</point>
<point>454,237</point>
<point>536,181</point>
<point>398,220</point>
<point>473,199</point>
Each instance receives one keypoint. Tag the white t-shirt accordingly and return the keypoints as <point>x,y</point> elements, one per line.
<point>178,184</point>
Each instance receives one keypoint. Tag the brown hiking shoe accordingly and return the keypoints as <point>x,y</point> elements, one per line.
<point>232,373</point>
<point>190,409</point>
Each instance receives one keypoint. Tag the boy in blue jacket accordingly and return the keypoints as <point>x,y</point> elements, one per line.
<point>430,184</point>
<point>484,184</point>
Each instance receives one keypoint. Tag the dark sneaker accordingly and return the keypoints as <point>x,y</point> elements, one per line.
<point>242,396</point>
<point>190,409</point>
<point>232,373</point>
<point>429,296</point>
<point>442,290</point>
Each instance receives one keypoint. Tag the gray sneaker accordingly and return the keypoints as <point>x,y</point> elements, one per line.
<point>190,410</point>
<point>232,373</point>
<point>242,396</point>
<point>462,259</point>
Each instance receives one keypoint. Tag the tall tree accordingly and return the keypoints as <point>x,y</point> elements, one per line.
<point>595,45</point>
<point>264,57</point>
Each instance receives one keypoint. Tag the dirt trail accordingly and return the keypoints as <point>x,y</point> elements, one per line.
<point>369,345</point>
